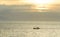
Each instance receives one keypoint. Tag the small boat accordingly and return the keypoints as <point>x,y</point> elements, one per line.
<point>36,28</point>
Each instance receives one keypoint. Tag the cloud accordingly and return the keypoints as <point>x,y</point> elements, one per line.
<point>11,2</point>
<point>19,2</point>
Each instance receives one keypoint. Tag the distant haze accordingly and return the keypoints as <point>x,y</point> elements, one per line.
<point>19,2</point>
<point>25,13</point>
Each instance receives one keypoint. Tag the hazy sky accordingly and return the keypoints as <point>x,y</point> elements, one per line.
<point>10,2</point>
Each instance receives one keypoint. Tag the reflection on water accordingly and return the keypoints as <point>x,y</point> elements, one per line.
<point>25,29</point>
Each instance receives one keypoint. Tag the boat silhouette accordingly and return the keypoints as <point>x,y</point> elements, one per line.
<point>36,28</point>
